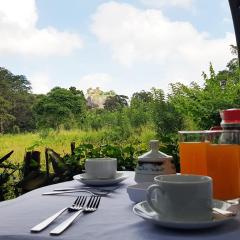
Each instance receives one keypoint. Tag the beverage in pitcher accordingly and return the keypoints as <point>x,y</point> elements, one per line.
<point>193,152</point>
<point>215,153</point>
<point>224,156</point>
<point>228,152</point>
<point>223,166</point>
<point>193,158</point>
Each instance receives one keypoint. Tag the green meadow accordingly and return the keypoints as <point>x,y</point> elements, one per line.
<point>60,141</point>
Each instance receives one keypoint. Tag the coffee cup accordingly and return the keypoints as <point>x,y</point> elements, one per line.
<point>181,197</point>
<point>101,168</point>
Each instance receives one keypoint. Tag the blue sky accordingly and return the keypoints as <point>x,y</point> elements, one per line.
<point>126,46</point>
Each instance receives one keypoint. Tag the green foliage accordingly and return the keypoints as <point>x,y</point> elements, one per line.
<point>16,129</point>
<point>8,179</point>
<point>141,109</point>
<point>59,107</point>
<point>201,105</point>
<point>168,121</point>
<point>94,119</point>
<point>33,146</point>
<point>15,102</point>
<point>116,124</point>
<point>123,128</point>
<point>126,155</point>
<point>116,102</point>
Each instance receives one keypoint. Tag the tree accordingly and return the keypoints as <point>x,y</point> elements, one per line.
<point>116,102</point>
<point>60,107</point>
<point>5,117</point>
<point>143,96</point>
<point>168,121</point>
<point>200,106</point>
<point>17,102</point>
<point>140,112</point>
<point>23,112</point>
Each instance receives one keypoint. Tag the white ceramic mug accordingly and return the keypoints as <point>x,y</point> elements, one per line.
<point>101,168</point>
<point>181,197</point>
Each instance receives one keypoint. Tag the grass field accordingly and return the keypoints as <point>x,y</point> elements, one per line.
<point>59,141</point>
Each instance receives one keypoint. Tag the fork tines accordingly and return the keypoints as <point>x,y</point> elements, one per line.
<point>80,201</point>
<point>93,202</point>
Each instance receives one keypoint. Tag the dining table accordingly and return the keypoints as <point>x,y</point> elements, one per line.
<point>113,220</point>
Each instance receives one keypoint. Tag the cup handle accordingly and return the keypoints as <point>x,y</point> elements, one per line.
<point>149,195</point>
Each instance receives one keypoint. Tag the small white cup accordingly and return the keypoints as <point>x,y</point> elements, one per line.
<point>101,168</point>
<point>181,197</point>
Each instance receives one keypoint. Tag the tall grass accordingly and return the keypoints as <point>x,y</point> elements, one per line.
<point>60,141</point>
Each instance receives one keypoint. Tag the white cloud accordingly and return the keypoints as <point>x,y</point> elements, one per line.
<point>171,3</point>
<point>40,82</point>
<point>147,36</point>
<point>93,80</point>
<point>20,34</point>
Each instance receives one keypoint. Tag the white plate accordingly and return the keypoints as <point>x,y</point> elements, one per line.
<point>83,178</point>
<point>143,210</point>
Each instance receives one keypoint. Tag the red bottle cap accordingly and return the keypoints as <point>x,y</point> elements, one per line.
<point>230,116</point>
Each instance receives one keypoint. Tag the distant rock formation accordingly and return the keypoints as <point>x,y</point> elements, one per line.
<point>96,97</point>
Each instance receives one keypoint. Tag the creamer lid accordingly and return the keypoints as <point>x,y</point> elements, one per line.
<point>154,155</point>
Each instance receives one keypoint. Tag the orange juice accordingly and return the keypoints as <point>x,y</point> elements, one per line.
<point>223,165</point>
<point>193,157</point>
<point>215,154</point>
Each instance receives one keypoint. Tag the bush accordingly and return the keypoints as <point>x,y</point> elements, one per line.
<point>126,155</point>
<point>16,129</point>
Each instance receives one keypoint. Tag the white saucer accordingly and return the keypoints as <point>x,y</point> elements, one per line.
<point>143,210</point>
<point>83,178</point>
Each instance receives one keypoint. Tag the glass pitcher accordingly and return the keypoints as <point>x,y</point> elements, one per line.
<point>207,153</point>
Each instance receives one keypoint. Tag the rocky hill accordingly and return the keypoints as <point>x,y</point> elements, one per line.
<point>96,97</point>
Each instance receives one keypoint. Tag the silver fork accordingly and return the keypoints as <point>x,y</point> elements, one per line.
<point>92,206</point>
<point>76,206</point>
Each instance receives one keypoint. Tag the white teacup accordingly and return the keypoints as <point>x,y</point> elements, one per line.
<point>181,197</point>
<point>101,168</point>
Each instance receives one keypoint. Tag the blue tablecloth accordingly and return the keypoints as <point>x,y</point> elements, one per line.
<point>114,220</point>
